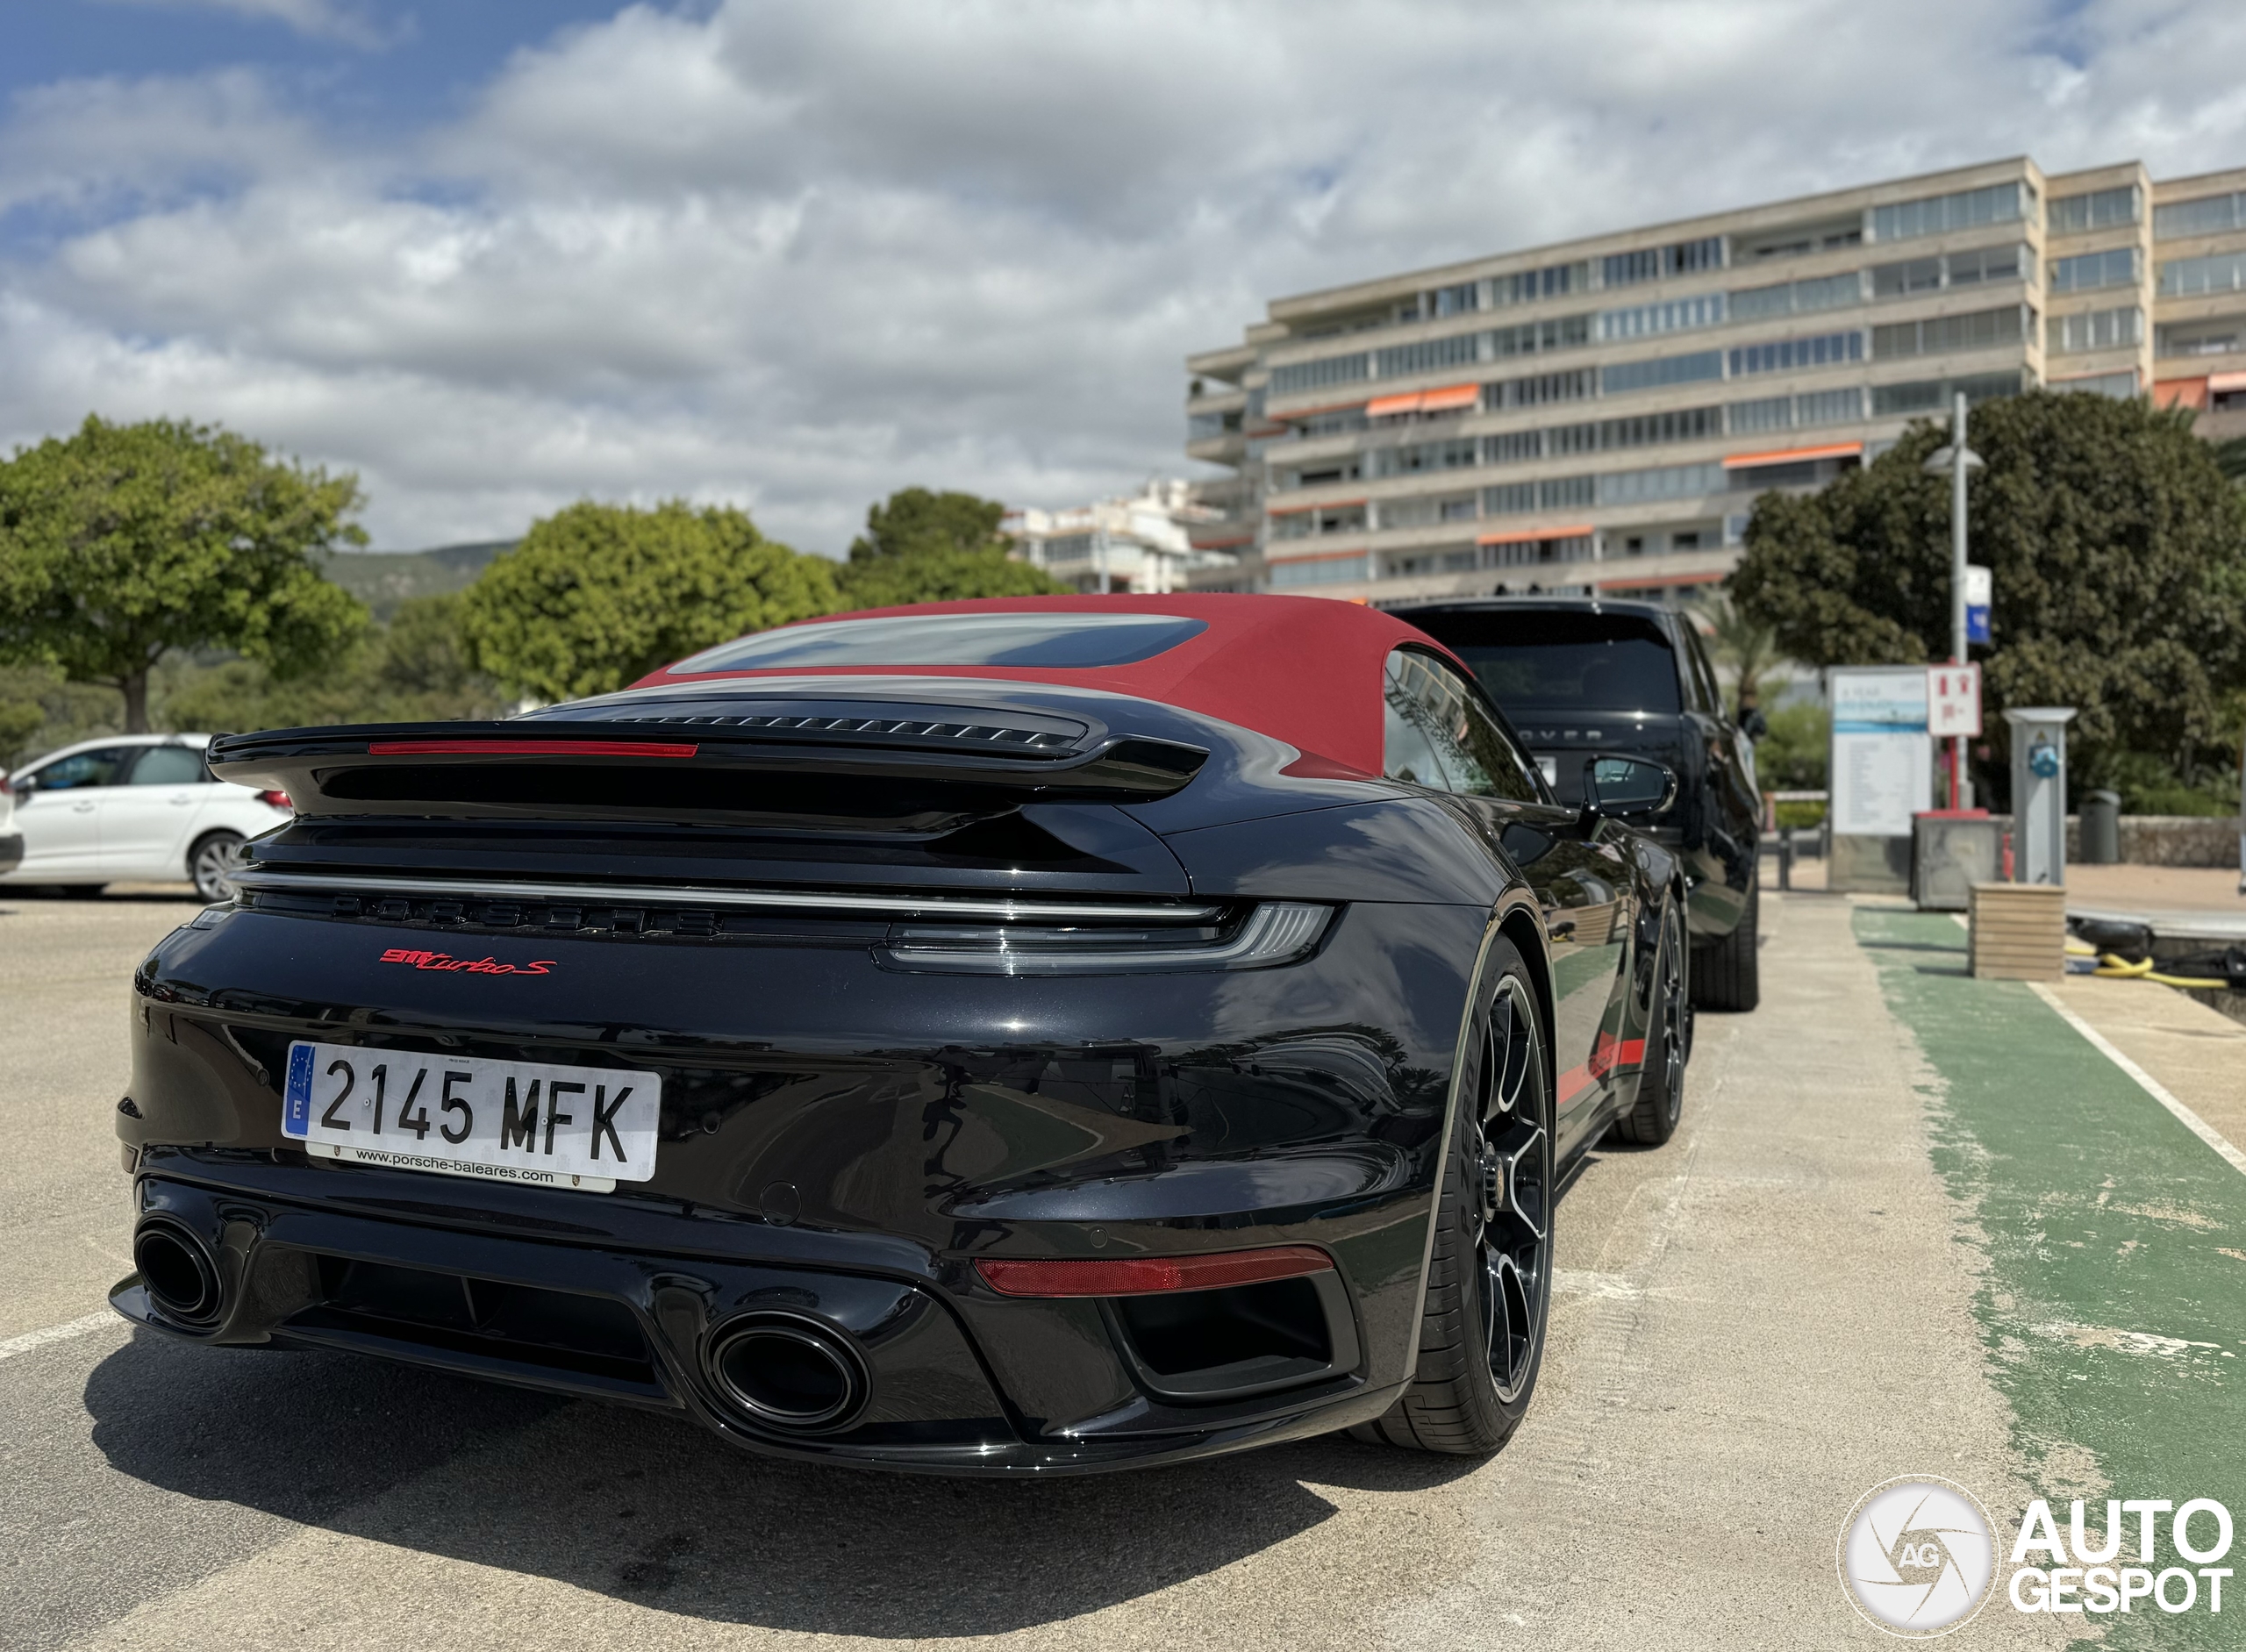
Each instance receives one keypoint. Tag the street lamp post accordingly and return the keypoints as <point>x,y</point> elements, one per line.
<point>1956,459</point>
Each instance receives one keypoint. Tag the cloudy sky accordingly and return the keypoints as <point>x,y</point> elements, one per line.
<point>496,255</point>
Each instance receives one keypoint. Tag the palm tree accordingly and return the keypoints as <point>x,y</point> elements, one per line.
<point>2231,455</point>
<point>1744,648</point>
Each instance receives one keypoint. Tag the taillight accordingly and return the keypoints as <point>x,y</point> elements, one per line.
<point>1276,933</point>
<point>278,800</point>
<point>1144,1275</point>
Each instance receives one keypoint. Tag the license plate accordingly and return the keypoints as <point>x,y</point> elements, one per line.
<point>582,1128</point>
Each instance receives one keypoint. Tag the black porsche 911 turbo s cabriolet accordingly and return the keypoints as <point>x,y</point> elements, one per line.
<point>1018,1036</point>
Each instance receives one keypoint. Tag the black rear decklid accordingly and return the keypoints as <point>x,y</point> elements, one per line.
<point>898,763</point>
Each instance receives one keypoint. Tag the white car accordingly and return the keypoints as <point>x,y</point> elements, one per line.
<point>142,807</point>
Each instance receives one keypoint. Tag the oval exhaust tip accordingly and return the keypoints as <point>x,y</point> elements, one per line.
<point>180,1273</point>
<point>787,1373</point>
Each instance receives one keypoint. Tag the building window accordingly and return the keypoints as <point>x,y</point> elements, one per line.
<point>2008,262</point>
<point>1535,390</point>
<point>1512,447</point>
<point>1408,513</point>
<point>1653,263</point>
<point>1527,286</point>
<point>2115,329</point>
<point>1829,407</point>
<point>1429,355</point>
<point>1677,315</point>
<point>1661,369</point>
<point>2121,386</point>
<point>2115,267</point>
<point>1901,281</point>
<point>1752,418</point>
<point>1322,570</point>
<point>1338,422</point>
<point>1797,297</point>
<point>1320,476</point>
<point>2217,272</point>
<point>2204,338</point>
<point>2102,209</point>
<point>1509,498</point>
<point>1461,453</point>
<point>1330,370</point>
<point>1202,426</point>
<point>1794,355</point>
<point>1564,493</point>
<point>1938,214</point>
<point>1928,396</point>
<point>1067,547</point>
<point>1536,338</point>
<point>1531,552</point>
<point>2209,215</point>
<point>1452,301</point>
<point>1669,482</point>
<point>1325,519</point>
<point>1689,423</point>
<point>1933,335</point>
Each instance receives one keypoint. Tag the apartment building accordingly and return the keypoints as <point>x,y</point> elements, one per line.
<point>1598,415</point>
<point>1140,543</point>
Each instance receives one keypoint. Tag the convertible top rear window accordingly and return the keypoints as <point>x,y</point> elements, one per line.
<point>1035,640</point>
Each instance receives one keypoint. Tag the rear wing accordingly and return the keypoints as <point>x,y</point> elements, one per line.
<point>878,761</point>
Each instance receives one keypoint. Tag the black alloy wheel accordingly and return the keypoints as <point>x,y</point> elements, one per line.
<point>1659,1101</point>
<point>1490,1269</point>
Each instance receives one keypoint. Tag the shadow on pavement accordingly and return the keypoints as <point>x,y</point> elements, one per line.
<point>646,1507</point>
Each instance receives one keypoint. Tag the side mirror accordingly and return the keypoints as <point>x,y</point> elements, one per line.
<point>1626,786</point>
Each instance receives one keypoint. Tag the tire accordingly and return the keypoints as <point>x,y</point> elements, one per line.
<point>211,866</point>
<point>1652,1118</point>
<point>80,892</point>
<point>1727,975</point>
<point>1489,1275</point>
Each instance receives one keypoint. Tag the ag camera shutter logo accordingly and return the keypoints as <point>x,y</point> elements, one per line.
<point>1917,1556</point>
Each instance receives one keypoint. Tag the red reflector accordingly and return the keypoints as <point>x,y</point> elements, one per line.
<point>525,748</point>
<point>277,799</point>
<point>1143,1275</point>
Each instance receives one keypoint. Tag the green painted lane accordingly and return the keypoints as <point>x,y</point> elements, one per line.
<point>2114,1304</point>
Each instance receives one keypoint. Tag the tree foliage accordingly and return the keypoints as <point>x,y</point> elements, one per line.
<point>414,669</point>
<point>2118,550</point>
<point>597,596</point>
<point>124,541</point>
<point>924,547</point>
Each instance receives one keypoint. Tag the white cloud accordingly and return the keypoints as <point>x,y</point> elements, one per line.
<point>315,20</point>
<point>798,254</point>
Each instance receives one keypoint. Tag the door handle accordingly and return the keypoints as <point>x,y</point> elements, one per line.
<point>82,808</point>
<point>181,800</point>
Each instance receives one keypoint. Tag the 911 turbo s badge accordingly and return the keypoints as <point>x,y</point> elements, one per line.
<point>469,966</point>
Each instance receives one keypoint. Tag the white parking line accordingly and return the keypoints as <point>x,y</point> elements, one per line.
<point>2146,1082</point>
<point>30,1340</point>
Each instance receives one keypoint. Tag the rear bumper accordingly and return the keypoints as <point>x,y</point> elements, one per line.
<point>637,1325</point>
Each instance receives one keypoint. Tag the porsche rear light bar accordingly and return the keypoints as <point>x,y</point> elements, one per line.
<point>1274,933</point>
<point>1148,1276</point>
<point>526,748</point>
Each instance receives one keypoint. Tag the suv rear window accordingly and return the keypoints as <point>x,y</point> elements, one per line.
<point>1558,662</point>
<point>1036,639</point>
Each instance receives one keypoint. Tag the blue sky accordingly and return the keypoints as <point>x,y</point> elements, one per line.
<point>495,256</point>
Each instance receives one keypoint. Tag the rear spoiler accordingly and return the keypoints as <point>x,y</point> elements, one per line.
<point>895,759</point>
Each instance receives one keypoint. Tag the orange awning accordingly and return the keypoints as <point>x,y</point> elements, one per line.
<point>1795,455</point>
<point>1524,535</point>
<point>2180,393</point>
<point>2226,383</point>
<point>1447,399</point>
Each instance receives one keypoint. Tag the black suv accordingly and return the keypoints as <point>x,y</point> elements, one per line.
<point>1583,677</point>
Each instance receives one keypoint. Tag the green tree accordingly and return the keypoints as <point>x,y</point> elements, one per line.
<point>598,596</point>
<point>925,547</point>
<point>414,669</point>
<point>2118,549</point>
<point>122,542</point>
<point>1745,647</point>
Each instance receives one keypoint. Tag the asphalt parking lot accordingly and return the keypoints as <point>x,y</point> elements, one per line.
<point>1843,1269</point>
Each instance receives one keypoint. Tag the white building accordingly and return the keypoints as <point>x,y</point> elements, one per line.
<point>1139,543</point>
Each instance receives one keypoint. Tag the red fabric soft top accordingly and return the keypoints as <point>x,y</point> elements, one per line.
<point>1303,669</point>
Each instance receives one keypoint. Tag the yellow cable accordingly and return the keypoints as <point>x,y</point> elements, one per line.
<point>2115,968</point>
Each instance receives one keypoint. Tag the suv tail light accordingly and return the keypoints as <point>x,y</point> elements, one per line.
<point>278,800</point>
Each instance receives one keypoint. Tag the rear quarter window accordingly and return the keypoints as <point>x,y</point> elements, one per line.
<point>1558,662</point>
